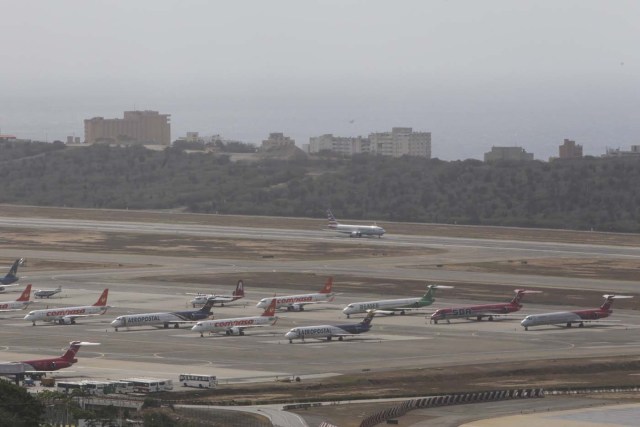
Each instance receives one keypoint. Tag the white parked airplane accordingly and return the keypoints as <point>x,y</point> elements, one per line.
<point>175,318</point>
<point>201,299</point>
<point>330,331</point>
<point>391,306</point>
<point>570,317</point>
<point>297,302</point>
<point>353,230</point>
<point>47,293</point>
<point>68,315</point>
<point>19,304</point>
<point>236,326</point>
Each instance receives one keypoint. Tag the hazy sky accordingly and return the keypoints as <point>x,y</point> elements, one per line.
<point>474,73</point>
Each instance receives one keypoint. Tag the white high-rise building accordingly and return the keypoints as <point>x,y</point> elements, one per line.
<point>338,144</point>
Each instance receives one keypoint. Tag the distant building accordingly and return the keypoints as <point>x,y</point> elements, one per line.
<point>617,152</point>
<point>143,127</point>
<point>339,144</point>
<point>7,138</point>
<point>277,140</point>
<point>570,150</point>
<point>507,153</point>
<point>400,142</point>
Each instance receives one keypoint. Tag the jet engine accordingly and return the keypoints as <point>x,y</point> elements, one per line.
<point>66,321</point>
<point>295,307</point>
<point>355,234</point>
<point>235,331</point>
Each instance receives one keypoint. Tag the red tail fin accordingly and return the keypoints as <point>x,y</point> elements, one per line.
<point>26,294</point>
<point>71,352</point>
<point>271,310</point>
<point>327,286</point>
<point>239,292</point>
<point>102,301</point>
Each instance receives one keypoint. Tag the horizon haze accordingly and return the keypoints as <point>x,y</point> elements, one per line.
<point>474,74</point>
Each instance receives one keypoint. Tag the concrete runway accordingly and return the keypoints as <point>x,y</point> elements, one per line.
<point>263,353</point>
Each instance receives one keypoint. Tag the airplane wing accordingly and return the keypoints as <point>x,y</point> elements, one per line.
<point>8,288</point>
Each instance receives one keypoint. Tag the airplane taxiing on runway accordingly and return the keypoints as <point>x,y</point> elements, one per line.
<point>68,315</point>
<point>391,306</point>
<point>19,304</point>
<point>297,302</point>
<point>479,311</point>
<point>201,299</point>
<point>330,331</point>
<point>353,230</point>
<point>175,318</point>
<point>55,363</point>
<point>11,276</point>
<point>236,326</point>
<point>569,317</point>
<point>47,293</point>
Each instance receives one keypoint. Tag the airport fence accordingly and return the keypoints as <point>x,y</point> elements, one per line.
<point>449,399</point>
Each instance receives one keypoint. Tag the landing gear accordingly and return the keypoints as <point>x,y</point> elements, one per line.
<point>402,313</point>
<point>490,318</point>
<point>329,338</point>
<point>176,326</point>
<point>526,328</point>
<point>568,324</point>
<point>340,338</point>
<point>581,325</point>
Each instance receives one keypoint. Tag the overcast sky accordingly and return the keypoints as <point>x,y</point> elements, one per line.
<point>474,73</point>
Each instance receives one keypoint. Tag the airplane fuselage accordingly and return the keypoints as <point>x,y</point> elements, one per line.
<point>217,299</point>
<point>295,302</point>
<point>564,317</point>
<point>161,318</point>
<point>230,325</point>
<point>358,230</point>
<point>46,293</point>
<point>327,331</point>
<point>477,311</point>
<point>62,314</point>
<point>14,305</point>
<point>48,364</point>
<point>389,304</point>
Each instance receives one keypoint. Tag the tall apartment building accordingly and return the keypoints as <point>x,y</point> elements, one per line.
<point>401,141</point>
<point>507,153</point>
<point>145,127</point>
<point>570,150</point>
<point>339,144</point>
<point>277,140</point>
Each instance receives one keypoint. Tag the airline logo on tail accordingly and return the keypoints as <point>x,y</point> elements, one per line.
<point>102,301</point>
<point>333,223</point>
<point>271,310</point>
<point>327,286</point>
<point>26,294</point>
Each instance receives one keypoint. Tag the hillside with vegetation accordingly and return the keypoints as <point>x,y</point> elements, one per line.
<point>590,193</point>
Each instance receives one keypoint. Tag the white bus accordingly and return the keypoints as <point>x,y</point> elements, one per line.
<point>98,387</point>
<point>67,387</point>
<point>123,387</point>
<point>150,385</point>
<point>200,381</point>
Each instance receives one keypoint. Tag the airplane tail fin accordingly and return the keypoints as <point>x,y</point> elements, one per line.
<point>71,352</point>
<point>74,347</point>
<point>102,301</point>
<point>327,286</point>
<point>271,310</point>
<point>332,219</point>
<point>521,293</point>
<point>13,271</point>
<point>431,292</point>
<point>239,292</point>
<point>26,294</point>
<point>208,306</point>
<point>608,300</point>
<point>367,320</point>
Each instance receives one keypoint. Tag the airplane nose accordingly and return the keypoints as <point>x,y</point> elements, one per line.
<point>260,304</point>
<point>347,310</point>
<point>289,335</point>
<point>116,323</point>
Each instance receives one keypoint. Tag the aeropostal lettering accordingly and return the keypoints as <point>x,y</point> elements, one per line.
<point>141,319</point>
<point>314,331</point>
